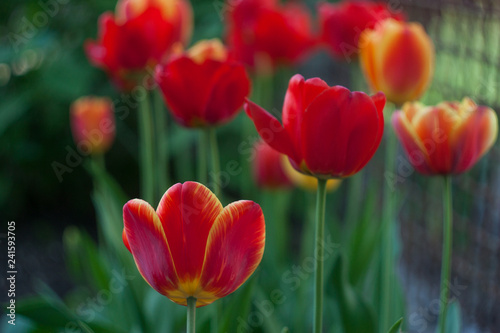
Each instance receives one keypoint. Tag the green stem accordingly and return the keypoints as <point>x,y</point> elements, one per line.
<point>191,315</point>
<point>318,254</point>
<point>146,133</point>
<point>214,157</point>
<point>447,249</point>
<point>388,212</point>
<point>202,156</point>
<point>162,152</point>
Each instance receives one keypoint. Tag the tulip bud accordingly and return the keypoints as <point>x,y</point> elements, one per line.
<point>398,59</point>
<point>448,138</point>
<point>93,124</point>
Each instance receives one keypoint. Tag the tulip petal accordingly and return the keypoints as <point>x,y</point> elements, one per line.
<point>413,146</point>
<point>234,250</point>
<point>187,212</point>
<point>475,136</point>
<point>367,118</point>
<point>149,246</point>
<point>230,88</point>
<point>271,130</point>
<point>299,95</point>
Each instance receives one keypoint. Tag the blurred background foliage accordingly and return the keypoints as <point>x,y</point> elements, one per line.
<point>43,69</point>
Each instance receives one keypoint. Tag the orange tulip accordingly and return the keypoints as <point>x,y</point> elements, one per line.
<point>306,182</point>
<point>193,247</point>
<point>398,59</point>
<point>93,124</point>
<point>448,138</point>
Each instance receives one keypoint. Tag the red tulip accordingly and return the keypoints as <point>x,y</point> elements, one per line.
<point>203,87</point>
<point>264,33</point>
<point>193,247</point>
<point>448,138</point>
<point>328,132</point>
<point>93,124</point>
<point>140,35</point>
<point>268,169</point>
<point>342,24</point>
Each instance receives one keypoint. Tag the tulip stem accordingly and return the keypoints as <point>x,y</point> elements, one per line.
<point>146,132</point>
<point>214,156</point>
<point>202,156</point>
<point>447,249</point>
<point>161,144</point>
<point>318,254</point>
<point>191,315</point>
<point>387,258</point>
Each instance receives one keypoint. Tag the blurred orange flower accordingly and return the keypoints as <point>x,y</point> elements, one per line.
<point>448,138</point>
<point>398,59</point>
<point>93,124</point>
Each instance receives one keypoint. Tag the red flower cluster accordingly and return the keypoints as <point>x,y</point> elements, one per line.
<point>342,24</point>
<point>263,33</point>
<point>139,36</point>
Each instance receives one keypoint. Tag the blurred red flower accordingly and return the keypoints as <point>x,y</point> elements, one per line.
<point>448,138</point>
<point>193,247</point>
<point>203,87</point>
<point>139,35</point>
<point>263,33</point>
<point>268,168</point>
<point>342,24</point>
<point>328,132</point>
<point>93,124</point>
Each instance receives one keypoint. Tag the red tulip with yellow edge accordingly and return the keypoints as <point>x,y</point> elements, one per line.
<point>327,132</point>
<point>138,36</point>
<point>93,124</point>
<point>397,58</point>
<point>203,87</point>
<point>191,246</point>
<point>448,138</point>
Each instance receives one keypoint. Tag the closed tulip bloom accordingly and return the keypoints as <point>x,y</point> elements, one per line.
<point>448,138</point>
<point>203,87</point>
<point>93,124</point>
<point>267,167</point>
<point>327,132</point>
<point>140,34</point>
<point>398,59</point>
<point>193,247</point>
<point>263,33</point>
<point>342,24</point>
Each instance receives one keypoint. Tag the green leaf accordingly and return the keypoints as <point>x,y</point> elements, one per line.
<point>356,314</point>
<point>396,328</point>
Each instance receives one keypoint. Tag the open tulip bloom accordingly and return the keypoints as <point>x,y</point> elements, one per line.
<point>327,132</point>
<point>191,249</point>
<point>445,139</point>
